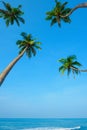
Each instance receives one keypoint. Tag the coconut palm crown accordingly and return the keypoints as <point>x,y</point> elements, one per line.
<point>28,44</point>
<point>58,11</point>
<point>11,15</point>
<point>69,64</point>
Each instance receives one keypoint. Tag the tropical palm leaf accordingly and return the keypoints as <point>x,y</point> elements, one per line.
<point>63,6</point>
<point>21,19</point>
<point>25,36</point>
<point>76,63</point>
<point>68,71</point>
<point>28,52</point>
<point>38,47</point>
<point>53,21</point>
<point>62,69</point>
<point>7,22</point>
<point>62,60</point>
<point>72,57</point>
<point>17,21</point>
<point>33,51</point>
<point>66,19</point>
<point>7,6</point>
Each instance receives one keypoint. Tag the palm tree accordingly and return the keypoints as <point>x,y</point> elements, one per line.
<point>58,11</point>
<point>11,15</point>
<point>28,46</point>
<point>70,64</point>
<point>82,5</point>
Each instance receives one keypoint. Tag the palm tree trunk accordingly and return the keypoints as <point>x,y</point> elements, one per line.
<point>10,66</point>
<point>78,69</point>
<point>82,5</point>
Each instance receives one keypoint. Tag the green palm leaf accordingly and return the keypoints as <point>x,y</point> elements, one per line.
<point>38,47</point>
<point>21,19</point>
<point>62,69</point>
<point>76,63</point>
<point>17,21</point>
<point>63,5</point>
<point>68,71</point>
<point>72,57</point>
<point>7,6</point>
<point>66,19</point>
<point>7,22</point>
<point>53,21</point>
<point>62,60</point>
<point>33,51</point>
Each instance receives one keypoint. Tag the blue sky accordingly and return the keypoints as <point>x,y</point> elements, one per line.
<point>34,87</point>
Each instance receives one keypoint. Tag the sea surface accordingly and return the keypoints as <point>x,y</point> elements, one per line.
<point>42,124</point>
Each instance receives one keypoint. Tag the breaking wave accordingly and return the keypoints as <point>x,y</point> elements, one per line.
<point>48,128</point>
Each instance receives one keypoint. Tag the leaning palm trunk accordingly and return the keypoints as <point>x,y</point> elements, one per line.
<point>73,68</point>
<point>10,66</point>
<point>82,5</point>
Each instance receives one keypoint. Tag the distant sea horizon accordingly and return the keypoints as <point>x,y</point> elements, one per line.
<point>43,123</point>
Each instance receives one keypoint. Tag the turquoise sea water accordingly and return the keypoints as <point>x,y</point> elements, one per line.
<point>42,124</point>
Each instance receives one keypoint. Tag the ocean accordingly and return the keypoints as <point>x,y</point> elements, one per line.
<point>42,124</point>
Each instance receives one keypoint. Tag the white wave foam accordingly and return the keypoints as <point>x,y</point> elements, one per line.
<point>76,128</point>
<point>48,128</point>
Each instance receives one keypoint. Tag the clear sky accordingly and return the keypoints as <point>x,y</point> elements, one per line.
<point>34,87</point>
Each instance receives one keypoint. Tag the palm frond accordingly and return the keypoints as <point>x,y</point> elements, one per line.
<point>62,60</point>
<point>33,51</point>
<point>66,11</point>
<point>12,20</point>
<point>76,63</point>
<point>18,42</point>
<point>38,43</point>
<point>72,57</point>
<point>58,5</point>
<point>49,17</point>
<point>66,19</point>
<point>7,22</point>
<point>53,21</point>
<point>59,21</point>
<point>28,52</point>
<point>1,15</point>
<point>23,34</point>
<point>38,47</point>
<point>51,13</point>
<point>63,5</point>
<point>21,19</point>
<point>7,6</point>
<point>62,69</point>
<point>17,21</point>
<point>68,71</point>
<point>26,37</point>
